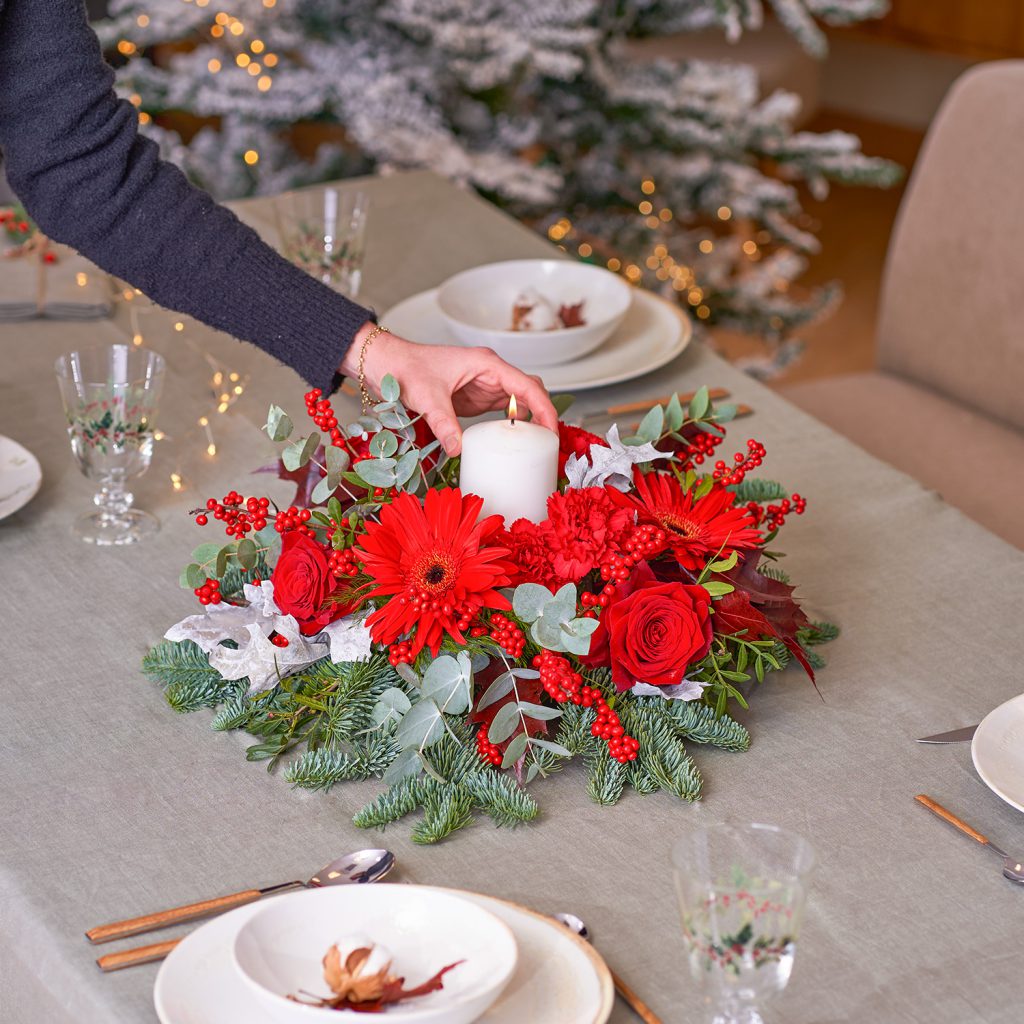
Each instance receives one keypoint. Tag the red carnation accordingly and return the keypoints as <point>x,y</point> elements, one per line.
<point>530,552</point>
<point>303,582</point>
<point>575,441</point>
<point>583,529</point>
<point>657,633</point>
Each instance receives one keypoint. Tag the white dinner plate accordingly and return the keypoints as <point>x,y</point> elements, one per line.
<point>652,334</point>
<point>998,751</point>
<point>559,978</point>
<point>20,476</point>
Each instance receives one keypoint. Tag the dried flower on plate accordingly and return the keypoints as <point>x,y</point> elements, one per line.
<point>362,981</point>
<point>571,314</point>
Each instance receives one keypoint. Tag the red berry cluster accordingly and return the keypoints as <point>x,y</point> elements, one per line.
<point>489,752</point>
<point>508,635</point>
<point>279,641</point>
<point>238,522</point>
<point>423,600</point>
<point>742,464</point>
<point>322,414</point>
<point>775,515</point>
<point>209,592</point>
<point>563,684</point>
<point>400,653</point>
<point>700,447</point>
<point>644,542</point>
<point>343,563</point>
<point>607,727</point>
<point>294,519</point>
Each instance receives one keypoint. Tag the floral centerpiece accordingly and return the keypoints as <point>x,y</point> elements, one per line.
<point>384,626</point>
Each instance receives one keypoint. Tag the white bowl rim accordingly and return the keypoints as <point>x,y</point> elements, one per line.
<point>623,287</point>
<point>455,998</point>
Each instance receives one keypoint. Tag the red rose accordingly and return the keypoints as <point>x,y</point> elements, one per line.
<point>302,583</point>
<point>657,632</point>
<point>575,441</point>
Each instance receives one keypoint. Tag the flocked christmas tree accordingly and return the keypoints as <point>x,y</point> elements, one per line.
<point>678,174</point>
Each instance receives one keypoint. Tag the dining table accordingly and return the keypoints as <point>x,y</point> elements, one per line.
<point>112,804</point>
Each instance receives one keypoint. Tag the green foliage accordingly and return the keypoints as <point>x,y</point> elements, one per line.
<point>605,778</point>
<point>757,489</point>
<point>817,633</point>
<point>189,683</point>
<point>698,723</point>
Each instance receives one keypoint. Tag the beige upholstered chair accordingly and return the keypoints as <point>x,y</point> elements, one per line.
<point>946,403</point>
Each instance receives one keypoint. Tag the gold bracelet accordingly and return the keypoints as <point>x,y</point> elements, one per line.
<point>364,392</point>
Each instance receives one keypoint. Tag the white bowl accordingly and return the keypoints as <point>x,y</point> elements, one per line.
<point>280,948</point>
<point>477,308</point>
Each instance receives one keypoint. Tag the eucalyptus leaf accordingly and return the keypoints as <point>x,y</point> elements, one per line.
<point>514,750</point>
<point>407,673</point>
<point>270,540</point>
<point>699,403</point>
<point>205,553</point>
<point>501,687</point>
<point>726,412</point>
<point>376,472</point>
<point>539,711</point>
<point>406,468</point>
<point>279,424</point>
<point>529,600</point>
<point>223,556</point>
<point>395,419</point>
<point>422,725</point>
<point>446,682</point>
<point>322,491</point>
<point>192,576</point>
<point>674,415</point>
<point>389,389</point>
<point>555,748</point>
<point>298,453</point>
<point>504,723</point>
<point>406,765</point>
<point>247,553</point>
<point>383,444</point>
<point>651,425</point>
<point>337,462</point>
<point>576,635</point>
<point>391,705</point>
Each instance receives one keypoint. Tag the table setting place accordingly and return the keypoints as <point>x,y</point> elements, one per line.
<point>534,636</point>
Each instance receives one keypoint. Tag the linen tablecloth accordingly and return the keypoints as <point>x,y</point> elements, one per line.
<point>113,805</point>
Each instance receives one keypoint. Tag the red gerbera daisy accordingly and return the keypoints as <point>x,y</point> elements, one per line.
<point>435,565</point>
<point>697,528</point>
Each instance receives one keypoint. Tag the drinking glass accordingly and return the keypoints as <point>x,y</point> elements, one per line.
<point>741,893</point>
<point>110,397</point>
<point>322,232</point>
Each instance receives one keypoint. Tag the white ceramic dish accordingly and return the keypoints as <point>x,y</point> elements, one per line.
<point>559,979</point>
<point>652,334</point>
<point>279,950</point>
<point>20,476</point>
<point>476,306</point>
<point>998,751</point>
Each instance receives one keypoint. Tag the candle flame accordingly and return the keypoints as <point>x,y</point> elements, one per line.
<point>512,408</point>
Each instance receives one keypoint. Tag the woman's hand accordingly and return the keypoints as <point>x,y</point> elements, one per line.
<point>444,382</point>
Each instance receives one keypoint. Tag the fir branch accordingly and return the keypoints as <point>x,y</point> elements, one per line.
<point>321,769</point>
<point>773,572</point>
<point>183,669</point>
<point>446,809</point>
<point>497,794</point>
<point>817,633</point>
<point>605,777</point>
<point>574,728</point>
<point>398,800</point>
<point>237,713</point>
<point>662,758</point>
<point>697,722</point>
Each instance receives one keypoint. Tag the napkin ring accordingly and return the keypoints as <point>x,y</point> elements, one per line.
<point>364,392</point>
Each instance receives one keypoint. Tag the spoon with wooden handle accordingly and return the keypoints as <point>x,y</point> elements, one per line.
<point>1013,869</point>
<point>353,868</point>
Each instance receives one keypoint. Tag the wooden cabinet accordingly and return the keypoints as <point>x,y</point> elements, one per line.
<point>979,29</point>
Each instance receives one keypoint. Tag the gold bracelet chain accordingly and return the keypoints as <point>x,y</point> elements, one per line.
<point>364,392</point>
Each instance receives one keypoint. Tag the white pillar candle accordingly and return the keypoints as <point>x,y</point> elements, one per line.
<point>512,465</point>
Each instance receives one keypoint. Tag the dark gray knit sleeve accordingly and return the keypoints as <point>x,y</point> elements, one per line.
<point>76,160</point>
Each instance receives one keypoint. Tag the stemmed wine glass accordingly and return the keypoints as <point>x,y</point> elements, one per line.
<point>110,396</point>
<point>323,232</point>
<point>741,893</point>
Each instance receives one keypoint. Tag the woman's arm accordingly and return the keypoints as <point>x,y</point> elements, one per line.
<point>76,160</point>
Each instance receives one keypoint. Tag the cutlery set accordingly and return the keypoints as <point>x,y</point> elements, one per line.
<point>357,868</point>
